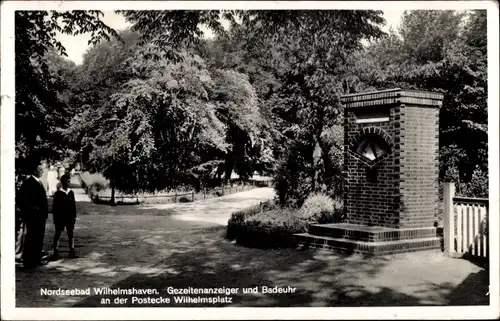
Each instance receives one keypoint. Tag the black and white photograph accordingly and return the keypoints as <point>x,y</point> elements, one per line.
<point>337,157</point>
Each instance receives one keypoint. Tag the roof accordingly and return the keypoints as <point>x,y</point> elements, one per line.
<point>392,97</point>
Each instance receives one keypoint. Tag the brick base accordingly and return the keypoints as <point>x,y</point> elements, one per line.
<point>370,233</point>
<point>372,240</point>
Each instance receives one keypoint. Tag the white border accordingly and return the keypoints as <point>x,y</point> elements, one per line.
<point>7,173</point>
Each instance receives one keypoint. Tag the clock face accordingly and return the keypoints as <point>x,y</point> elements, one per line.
<point>372,147</point>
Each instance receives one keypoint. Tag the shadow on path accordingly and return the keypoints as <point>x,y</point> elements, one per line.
<point>126,247</point>
<point>320,278</point>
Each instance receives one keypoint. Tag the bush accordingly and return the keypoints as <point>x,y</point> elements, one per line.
<point>270,229</point>
<point>273,227</point>
<point>315,205</point>
<point>293,181</point>
<point>184,199</point>
<point>476,187</point>
<point>96,187</point>
<point>298,174</point>
<point>321,208</point>
<point>238,218</point>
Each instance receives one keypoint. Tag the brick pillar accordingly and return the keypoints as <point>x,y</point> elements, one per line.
<point>400,189</point>
<point>419,174</point>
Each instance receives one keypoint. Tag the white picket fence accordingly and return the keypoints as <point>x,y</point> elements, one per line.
<point>465,224</point>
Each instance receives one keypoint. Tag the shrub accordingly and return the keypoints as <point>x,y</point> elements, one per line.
<point>321,208</point>
<point>316,204</point>
<point>476,187</point>
<point>293,181</point>
<point>96,187</point>
<point>238,218</point>
<point>273,227</point>
<point>184,199</point>
<point>270,229</point>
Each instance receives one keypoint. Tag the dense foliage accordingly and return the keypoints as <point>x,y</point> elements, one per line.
<point>159,106</point>
<point>265,226</point>
<point>41,77</point>
<point>321,208</point>
<point>298,79</point>
<point>163,123</point>
<point>271,226</point>
<point>442,51</point>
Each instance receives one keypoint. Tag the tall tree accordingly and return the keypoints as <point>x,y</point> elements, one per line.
<point>39,111</point>
<point>307,99</point>
<point>303,100</point>
<point>158,122</point>
<point>441,51</point>
<point>294,58</point>
<point>104,71</point>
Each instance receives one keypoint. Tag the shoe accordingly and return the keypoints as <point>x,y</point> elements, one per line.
<point>54,256</point>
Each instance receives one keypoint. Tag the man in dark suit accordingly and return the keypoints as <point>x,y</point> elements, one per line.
<point>33,206</point>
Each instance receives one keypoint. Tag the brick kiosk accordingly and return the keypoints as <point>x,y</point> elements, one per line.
<point>391,168</point>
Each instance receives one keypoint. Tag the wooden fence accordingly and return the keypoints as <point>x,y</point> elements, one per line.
<point>177,197</point>
<point>465,224</point>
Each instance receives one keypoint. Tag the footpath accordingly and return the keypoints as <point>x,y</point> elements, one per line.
<point>115,242</point>
<point>80,195</point>
<point>175,246</point>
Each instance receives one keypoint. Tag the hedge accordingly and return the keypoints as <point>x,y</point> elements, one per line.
<point>268,226</point>
<point>271,228</point>
<point>237,218</point>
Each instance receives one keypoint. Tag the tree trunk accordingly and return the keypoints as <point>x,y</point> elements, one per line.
<point>112,201</point>
<point>327,167</point>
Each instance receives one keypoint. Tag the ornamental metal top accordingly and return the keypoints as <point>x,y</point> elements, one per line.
<point>393,97</point>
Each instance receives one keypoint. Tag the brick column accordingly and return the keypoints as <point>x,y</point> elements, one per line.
<point>404,193</point>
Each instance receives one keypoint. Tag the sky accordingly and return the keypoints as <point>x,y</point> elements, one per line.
<point>76,46</point>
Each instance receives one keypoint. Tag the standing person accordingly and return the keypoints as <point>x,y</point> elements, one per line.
<point>64,212</point>
<point>20,228</point>
<point>52,180</point>
<point>20,234</point>
<point>61,171</point>
<point>33,207</point>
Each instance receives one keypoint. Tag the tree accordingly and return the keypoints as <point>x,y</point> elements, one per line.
<point>241,52</point>
<point>39,111</point>
<point>294,59</point>
<point>307,100</point>
<point>159,123</point>
<point>302,72</point>
<point>176,115</point>
<point>103,73</point>
<point>237,108</point>
<point>442,51</point>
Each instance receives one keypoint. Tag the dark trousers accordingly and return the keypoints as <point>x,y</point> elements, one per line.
<point>20,231</point>
<point>69,225</point>
<point>33,242</point>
